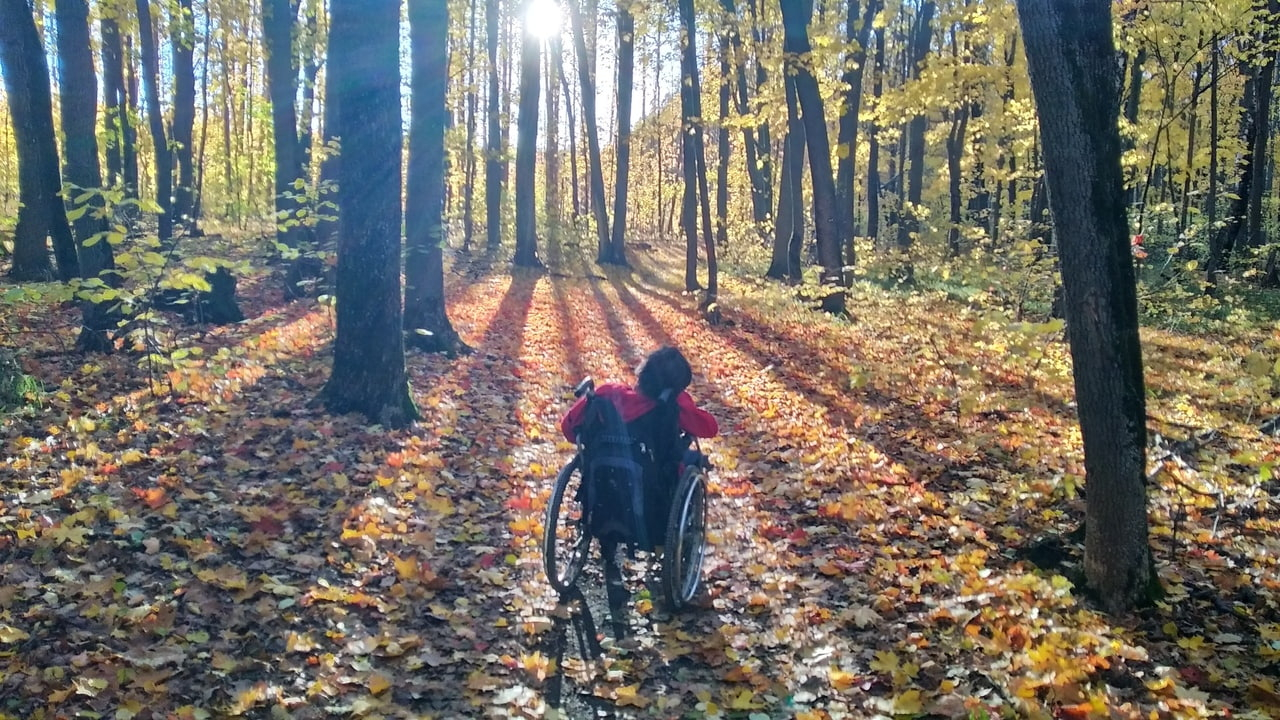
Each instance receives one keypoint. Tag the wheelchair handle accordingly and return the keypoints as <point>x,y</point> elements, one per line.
<point>586,387</point>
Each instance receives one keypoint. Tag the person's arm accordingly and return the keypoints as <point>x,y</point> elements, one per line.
<point>694,420</point>
<point>572,419</point>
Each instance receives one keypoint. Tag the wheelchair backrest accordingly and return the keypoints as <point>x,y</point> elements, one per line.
<point>622,462</point>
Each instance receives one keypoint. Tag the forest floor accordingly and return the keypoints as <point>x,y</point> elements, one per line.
<point>885,488</point>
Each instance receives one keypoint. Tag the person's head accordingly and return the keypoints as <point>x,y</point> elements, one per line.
<point>665,369</point>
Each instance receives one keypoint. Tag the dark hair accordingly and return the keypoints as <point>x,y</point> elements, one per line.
<point>665,369</point>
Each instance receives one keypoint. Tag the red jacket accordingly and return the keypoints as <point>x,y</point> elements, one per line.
<point>631,405</point>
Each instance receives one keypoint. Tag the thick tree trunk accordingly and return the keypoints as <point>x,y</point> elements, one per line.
<point>595,194</point>
<point>616,252</point>
<point>1070,58</point>
<point>765,154</point>
<point>527,150</point>
<point>42,214</point>
<point>789,227</point>
<point>155,117</point>
<point>368,353</point>
<point>494,172</point>
<point>426,321</point>
<point>282,85</point>
<point>795,20</point>
<point>79,89</point>
<point>910,227</point>
<point>182,35</point>
<point>847,141</point>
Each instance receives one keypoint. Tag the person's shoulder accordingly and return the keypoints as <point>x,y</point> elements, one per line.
<point>613,389</point>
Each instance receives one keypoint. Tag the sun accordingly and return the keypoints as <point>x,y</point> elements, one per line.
<point>543,19</point>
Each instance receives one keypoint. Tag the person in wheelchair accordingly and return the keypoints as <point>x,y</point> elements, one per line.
<point>662,421</point>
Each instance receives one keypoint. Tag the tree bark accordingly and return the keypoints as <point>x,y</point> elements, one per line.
<point>788,236</point>
<point>469,168</point>
<point>910,227</point>
<point>955,153</point>
<point>182,36</point>
<point>695,167</point>
<point>1070,57</point>
<point>551,198</point>
<point>595,192</point>
<point>722,148</point>
<point>79,89</point>
<point>1223,241</point>
<point>761,192</point>
<point>527,149</point>
<point>795,20</point>
<point>122,163</point>
<point>368,353</point>
<point>494,172</point>
<point>42,214</point>
<point>847,140</point>
<point>282,85</point>
<point>155,117</point>
<point>873,147</point>
<point>1262,117</point>
<point>616,252</point>
<point>426,321</point>
<point>1211,202</point>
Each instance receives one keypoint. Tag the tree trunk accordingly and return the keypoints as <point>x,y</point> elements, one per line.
<point>910,227</point>
<point>761,193</point>
<point>765,153</point>
<point>182,36</point>
<point>1070,59</point>
<point>426,322</point>
<point>282,85</point>
<point>847,140</point>
<point>955,153</point>
<point>79,88</point>
<point>695,153</point>
<point>1223,241</point>
<point>116,102</point>
<point>789,228</point>
<point>795,20</point>
<point>573,136</point>
<point>722,148</point>
<point>155,116</point>
<point>1192,122</point>
<point>595,192</point>
<point>42,214</point>
<point>494,173</point>
<point>616,252</point>
<point>527,149</point>
<point>551,197</point>
<point>368,353</point>
<point>1211,202</point>
<point>873,142</point>
<point>326,231</point>
<point>469,167</point>
<point>1262,133</point>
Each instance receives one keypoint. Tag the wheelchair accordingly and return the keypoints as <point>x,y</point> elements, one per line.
<point>571,521</point>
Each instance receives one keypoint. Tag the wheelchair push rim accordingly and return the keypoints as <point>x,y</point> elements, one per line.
<point>685,548</point>
<point>564,564</point>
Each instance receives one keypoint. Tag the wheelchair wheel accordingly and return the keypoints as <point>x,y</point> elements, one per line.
<point>686,539</point>
<point>565,541</point>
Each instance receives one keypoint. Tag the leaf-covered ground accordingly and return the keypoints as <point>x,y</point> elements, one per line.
<point>885,489</point>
